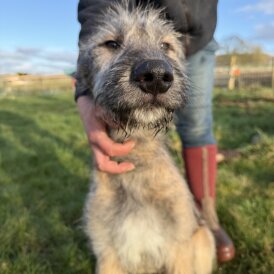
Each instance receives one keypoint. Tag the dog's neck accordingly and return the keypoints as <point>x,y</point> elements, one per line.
<point>140,135</point>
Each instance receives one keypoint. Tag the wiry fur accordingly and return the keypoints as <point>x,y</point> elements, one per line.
<point>142,221</point>
<point>141,32</point>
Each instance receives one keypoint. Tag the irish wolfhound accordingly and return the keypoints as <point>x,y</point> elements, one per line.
<point>143,221</point>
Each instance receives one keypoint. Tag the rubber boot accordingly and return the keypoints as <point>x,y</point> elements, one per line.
<point>201,169</point>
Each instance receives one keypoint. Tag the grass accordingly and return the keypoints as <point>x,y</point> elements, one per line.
<point>45,166</point>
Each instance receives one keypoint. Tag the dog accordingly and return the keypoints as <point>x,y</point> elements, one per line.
<point>143,221</point>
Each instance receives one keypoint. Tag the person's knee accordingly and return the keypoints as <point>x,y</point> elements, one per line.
<point>195,129</point>
<point>197,137</point>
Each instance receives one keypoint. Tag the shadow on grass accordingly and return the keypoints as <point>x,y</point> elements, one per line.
<point>251,256</point>
<point>42,198</point>
<point>44,184</point>
<point>235,126</point>
<point>261,173</point>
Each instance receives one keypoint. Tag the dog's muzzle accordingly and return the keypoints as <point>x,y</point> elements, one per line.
<point>153,76</point>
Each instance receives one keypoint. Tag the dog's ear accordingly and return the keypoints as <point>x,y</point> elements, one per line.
<point>84,82</point>
<point>186,43</point>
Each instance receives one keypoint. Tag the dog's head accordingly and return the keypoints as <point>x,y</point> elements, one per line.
<point>134,62</point>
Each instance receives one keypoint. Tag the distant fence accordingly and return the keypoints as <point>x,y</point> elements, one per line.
<point>236,75</point>
<point>243,78</point>
<point>231,77</point>
<point>33,83</point>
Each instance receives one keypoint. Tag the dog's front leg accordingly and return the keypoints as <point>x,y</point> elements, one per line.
<point>204,250</point>
<point>180,259</point>
<point>109,264</point>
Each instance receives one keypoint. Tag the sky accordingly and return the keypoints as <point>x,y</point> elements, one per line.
<point>40,37</point>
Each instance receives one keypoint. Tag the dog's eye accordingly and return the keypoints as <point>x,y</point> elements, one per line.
<point>165,46</point>
<point>112,44</point>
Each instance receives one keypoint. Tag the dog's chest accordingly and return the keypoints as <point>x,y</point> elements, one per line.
<point>141,240</point>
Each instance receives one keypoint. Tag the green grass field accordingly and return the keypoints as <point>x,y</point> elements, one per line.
<point>45,167</point>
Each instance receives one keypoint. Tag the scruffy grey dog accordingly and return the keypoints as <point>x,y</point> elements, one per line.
<point>143,221</point>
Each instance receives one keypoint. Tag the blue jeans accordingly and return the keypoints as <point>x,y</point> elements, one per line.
<point>194,121</point>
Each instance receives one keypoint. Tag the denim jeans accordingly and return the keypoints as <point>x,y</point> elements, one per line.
<point>194,121</point>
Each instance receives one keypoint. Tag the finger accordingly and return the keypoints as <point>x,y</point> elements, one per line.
<point>104,163</point>
<point>110,148</point>
<point>115,168</point>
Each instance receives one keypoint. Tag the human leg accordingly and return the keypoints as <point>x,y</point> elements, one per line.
<point>194,125</point>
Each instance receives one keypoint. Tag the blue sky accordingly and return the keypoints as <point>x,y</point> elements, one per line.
<point>41,36</point>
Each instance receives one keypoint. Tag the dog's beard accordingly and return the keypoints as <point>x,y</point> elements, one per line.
<point>129,109</point>
<point>150,118</point>
<point>125,106</point>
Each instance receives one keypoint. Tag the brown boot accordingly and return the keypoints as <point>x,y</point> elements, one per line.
<point>201,168</point>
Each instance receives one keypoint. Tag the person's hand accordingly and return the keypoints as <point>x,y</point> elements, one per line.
<point>102,145</point>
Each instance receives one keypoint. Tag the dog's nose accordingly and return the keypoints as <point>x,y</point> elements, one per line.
<point>153,76</point>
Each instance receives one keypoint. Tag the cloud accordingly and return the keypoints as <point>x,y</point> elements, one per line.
<point>12,55</point>
<point>36,61</point>
<point>264,6</point>
<point>60,56</point>
<point>29,52</point>
<point>265,32</point>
